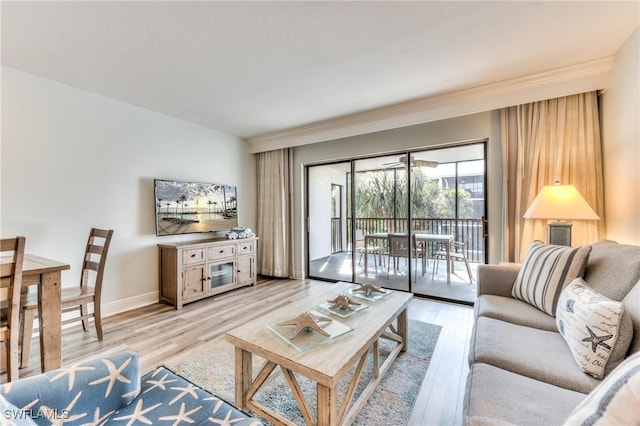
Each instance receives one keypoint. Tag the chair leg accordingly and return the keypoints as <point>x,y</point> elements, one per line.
<point>97,318</point>
<point>85,321</point>
<point>435,266</point>
<point>26,336</point>
<point>466,262</point>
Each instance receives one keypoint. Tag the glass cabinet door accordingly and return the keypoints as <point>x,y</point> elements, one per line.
<point>221,274</point>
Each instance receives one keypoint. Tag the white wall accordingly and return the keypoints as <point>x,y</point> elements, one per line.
<point>471,127</point>
<point>320,181</point>
<point>71,160</point>
<point>620,112</point>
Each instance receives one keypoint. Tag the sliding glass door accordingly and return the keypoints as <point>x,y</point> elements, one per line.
<point>448,214</point>
<point>379,191</point>
<point>329,248</point>
<point>412,221</point>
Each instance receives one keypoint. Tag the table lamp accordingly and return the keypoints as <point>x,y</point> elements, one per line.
<point>560,202</point>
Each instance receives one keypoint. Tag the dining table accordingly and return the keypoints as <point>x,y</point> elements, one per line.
<point>445,239</point>
<point>46,274</point>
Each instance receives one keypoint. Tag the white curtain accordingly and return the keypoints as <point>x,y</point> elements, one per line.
<point>543,142</point>
<point>274,227</point>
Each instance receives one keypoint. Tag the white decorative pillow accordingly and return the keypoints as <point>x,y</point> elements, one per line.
<point>546,270</point>
<point>616,401</point>
<point>590,324</point>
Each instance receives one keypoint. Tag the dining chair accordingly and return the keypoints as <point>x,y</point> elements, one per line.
<point>400,246</point>
<point>457,252</point>
<point>10,287</point>
<point>75,298</point>
<point>366,250</point>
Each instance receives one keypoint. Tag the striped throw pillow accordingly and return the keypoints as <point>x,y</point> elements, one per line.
<point>615,401</point>
<point>546,270</point>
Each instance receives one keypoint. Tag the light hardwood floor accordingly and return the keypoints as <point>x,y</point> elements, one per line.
<point>162,335</point>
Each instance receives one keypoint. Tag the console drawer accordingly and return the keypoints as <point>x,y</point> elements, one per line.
<point>245,248</point>
<point>220,252</point>
<point>189,257</point>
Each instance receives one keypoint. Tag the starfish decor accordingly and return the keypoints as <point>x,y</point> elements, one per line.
<point>343,302</point>
<point>597,340</point>
<point>368,289</point>
<point>307,321</point>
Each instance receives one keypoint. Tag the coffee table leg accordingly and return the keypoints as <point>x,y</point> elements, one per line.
<point>327,406</point>
<point>243,376</point>
<point>402,329</point>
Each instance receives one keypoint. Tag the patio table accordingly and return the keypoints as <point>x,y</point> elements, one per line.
<point>446,239</point>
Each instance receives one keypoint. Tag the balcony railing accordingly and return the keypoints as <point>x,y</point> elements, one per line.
<point>460,228</point>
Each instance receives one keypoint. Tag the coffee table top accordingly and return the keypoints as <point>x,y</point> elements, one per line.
<point>328,362</point>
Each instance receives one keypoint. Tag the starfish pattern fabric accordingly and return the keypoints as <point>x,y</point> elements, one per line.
<point>109,390</point>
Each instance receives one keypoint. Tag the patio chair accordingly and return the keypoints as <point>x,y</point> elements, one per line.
<point>370,249</point>
<point>399,247</point>
<point>457,253</point>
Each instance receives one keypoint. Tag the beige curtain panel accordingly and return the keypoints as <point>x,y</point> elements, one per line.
<point>544,142</point>
<point>273,173</point>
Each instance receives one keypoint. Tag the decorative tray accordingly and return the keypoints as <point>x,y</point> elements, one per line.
<point>344,313</point>
<point>371,297</point>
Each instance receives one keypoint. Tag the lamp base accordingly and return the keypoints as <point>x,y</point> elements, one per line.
<point>559,233</point>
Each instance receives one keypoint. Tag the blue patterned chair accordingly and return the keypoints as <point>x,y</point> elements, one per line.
<point>109,390</point>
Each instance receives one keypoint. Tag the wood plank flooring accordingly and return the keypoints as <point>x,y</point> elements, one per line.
<point>162,335</point>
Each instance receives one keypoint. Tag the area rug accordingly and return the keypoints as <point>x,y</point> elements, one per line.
<point>390,404</point>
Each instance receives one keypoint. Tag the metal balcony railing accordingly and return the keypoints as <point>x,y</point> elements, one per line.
<point>460,228</point>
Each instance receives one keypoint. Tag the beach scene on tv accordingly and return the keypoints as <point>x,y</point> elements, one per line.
<point>188,207</point>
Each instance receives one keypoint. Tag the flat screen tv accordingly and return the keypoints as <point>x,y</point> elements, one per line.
<point>192,207</point>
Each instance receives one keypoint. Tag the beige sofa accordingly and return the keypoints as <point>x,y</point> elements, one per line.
<point>521,369</point>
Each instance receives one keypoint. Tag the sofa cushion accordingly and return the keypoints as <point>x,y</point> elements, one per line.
<point>80,393</point>
<point>514,311</point>
<point>546,270</point>
<point>613,269</point>
<point>167,397</point>
<point>615,401</point>
<point>595,328</point>
<point>506,397</point>
<point>539,354</point>
<point>12,415</point>
<point>632,306</point>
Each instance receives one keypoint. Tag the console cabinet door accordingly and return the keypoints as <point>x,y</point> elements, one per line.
<point>194,282</point>
<point>246,270</point>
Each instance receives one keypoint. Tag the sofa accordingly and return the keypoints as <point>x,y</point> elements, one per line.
<point>526,364</point>
<point>110,390</point>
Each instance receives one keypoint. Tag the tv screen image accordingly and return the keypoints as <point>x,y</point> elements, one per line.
<point>192,207</point>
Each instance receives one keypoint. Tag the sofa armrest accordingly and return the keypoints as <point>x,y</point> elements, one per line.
<point>497,279</point>
<point>84,391</point>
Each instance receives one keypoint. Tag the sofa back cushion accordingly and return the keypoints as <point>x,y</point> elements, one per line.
<point>613,269</point>
<point>546,270</point>
<point>632,305</point>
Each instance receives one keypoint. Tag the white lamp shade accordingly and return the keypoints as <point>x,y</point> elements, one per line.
<point>560,202</point>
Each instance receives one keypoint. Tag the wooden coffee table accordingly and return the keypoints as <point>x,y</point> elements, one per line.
<point>326,364</point>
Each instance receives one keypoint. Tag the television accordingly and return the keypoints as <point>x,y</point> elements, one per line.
<point>193,207</point>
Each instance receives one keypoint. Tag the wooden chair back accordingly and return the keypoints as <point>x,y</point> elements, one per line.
<point>95,258</point>
<point>10,286</point>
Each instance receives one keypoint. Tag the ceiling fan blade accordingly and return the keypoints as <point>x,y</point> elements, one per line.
<point>425,163</point>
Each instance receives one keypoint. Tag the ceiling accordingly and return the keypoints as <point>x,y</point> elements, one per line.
<point>254,68</point>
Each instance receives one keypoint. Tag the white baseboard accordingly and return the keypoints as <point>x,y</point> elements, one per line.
<point>130,303</point>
